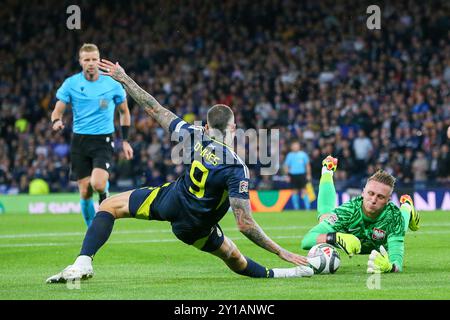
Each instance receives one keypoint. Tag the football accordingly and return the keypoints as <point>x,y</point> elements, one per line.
<point>324,258</point>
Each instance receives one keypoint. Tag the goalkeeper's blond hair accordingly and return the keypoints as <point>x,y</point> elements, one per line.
<point>383,177</point>
<point>88,47</point>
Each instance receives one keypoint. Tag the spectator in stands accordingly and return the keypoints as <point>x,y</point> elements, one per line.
<point>363,148</point>
<point>420,168</point>
<point>443,167</point>
<point>395,83</point>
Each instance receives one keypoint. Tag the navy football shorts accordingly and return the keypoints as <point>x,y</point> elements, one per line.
<point>160,203</point>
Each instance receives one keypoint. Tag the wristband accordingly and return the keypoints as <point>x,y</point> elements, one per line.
<point>125,130</point>
<point>54,121</point>
<point>394,268</point>
<point>331,238</point>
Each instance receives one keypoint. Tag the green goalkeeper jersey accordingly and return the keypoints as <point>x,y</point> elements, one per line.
<point>388,229</point>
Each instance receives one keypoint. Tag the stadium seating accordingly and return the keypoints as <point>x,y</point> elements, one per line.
<point>308,68</point>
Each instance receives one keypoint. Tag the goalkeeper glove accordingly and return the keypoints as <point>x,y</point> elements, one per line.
<point>347,242</point>
<point>379,262</point>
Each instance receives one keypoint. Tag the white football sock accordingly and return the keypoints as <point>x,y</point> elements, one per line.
<point>407,206</point>
<point>83,261</point>
<point>284,273</point>
<point>325,170</point>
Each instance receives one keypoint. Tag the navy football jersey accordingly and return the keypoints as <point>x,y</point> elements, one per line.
<point>213,172</point>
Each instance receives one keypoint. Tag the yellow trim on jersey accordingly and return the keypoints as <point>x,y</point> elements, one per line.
<point>207,154</point>
<point>225,145</point>
<point>246,172</point>
<point>222,200</point>
<point>200,184</point>
<point>200,243</point>
<point>144,210</point>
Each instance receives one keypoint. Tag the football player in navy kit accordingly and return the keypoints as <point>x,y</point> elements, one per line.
<point>214,179</point>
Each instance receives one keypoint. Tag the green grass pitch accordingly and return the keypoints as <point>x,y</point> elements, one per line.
<point>144,260</point>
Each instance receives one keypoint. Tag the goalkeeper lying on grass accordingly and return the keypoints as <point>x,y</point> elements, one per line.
<point>366,224</point>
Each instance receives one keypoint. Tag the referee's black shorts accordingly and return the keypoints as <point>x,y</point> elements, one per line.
<point>88,152</point>
<point>298,181</point>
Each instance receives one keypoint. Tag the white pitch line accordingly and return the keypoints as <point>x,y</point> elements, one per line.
<point>147,231</point>
<point>53,244</point>
<point>70,234</point>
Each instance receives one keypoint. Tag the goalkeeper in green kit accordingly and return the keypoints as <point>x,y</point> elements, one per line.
<point>366,224</point>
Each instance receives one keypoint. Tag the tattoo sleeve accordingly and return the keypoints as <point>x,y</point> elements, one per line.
<point>163,116</point>
<point>249,227</point>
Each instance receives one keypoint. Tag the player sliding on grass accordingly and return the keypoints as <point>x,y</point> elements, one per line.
<point>196,201</point>
<point>365,224</point>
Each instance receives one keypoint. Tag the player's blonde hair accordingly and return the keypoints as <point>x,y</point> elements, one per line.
<point>383,177</point>
<point>88,47</point>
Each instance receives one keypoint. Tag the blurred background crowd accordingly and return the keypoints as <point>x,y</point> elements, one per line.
<point>311,69</point>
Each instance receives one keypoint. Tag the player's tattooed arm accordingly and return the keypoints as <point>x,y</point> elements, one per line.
<point>249,227</point>
<point>163,116</point>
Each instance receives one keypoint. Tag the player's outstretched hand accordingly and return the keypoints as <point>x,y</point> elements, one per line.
<point>108,68</point>
<point>293,258</point>
<point>128,150</point>
<point>347,242</point>
<point>379,262</point>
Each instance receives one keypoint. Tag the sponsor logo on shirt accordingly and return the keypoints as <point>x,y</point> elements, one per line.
<point>103,103</point>
<point>378,234</point>
<point>353,229</point>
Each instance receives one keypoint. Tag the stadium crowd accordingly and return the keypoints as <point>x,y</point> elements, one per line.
<point>312,69</point>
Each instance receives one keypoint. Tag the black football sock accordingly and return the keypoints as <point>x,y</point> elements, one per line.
<point>255,270</point>
<point>97,233</point>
